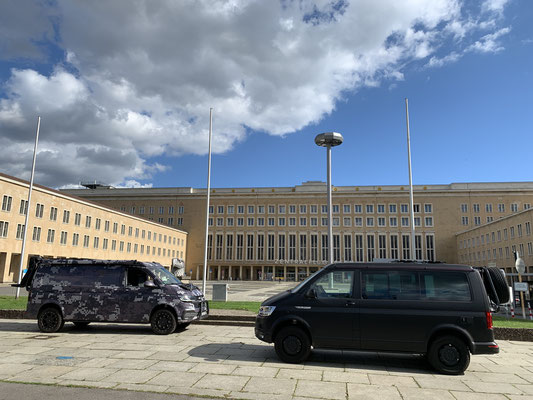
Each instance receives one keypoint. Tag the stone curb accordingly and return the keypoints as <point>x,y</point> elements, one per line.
<point>518,334</point>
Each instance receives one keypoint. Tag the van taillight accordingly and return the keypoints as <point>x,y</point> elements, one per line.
<point>489,319</point>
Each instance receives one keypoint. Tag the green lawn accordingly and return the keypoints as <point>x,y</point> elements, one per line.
<point>252,306</point>
<point>502,322</point>
<point>10,303</point>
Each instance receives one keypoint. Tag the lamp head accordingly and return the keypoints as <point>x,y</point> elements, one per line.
<point>329,139</point>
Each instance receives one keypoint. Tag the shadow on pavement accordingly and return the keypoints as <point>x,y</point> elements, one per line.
<point>350,360</point>
<point>69,328</point>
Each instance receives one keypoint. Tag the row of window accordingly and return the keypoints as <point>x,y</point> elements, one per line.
<point>309,248</point>
<point>488,207</point>
<point>313,209</point>
<point>477,220</point>
<point>141,210</point>
<point>496,235</point>
<point>88,222</point>
<point>497,254</point>
<point>313,221</point>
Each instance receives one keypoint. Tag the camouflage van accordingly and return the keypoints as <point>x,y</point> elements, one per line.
<point>84,291</point>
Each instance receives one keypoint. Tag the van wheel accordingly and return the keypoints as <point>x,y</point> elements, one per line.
<point>50,320</point>
<point>292,345</point>
<point>163,322</point>
<point>81,324</point>
<point>449,355</point>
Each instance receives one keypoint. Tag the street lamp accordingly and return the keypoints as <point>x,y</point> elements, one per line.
<point>329,140</point>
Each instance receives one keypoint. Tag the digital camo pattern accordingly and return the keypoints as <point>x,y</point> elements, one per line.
<point>110,291</point>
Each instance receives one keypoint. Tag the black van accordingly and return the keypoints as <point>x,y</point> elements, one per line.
<point>440,310</point>
<point>84,291</point>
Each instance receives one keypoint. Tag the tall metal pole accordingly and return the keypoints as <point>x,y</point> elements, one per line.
<point>208,197</point>
<point>28,207</point>
<point>413,255</point>
<point>330,226</point>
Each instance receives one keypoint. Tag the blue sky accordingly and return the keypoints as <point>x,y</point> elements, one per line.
<point>130,107</point>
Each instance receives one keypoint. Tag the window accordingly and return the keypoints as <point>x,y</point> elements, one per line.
<point>336,221</point>
<point>335,208</point>
<point>394,247</point>
<point>220,221</point>
<point>303,246</point>
<point>314,247</point>
<point>428,221</point>
<point>50,237</point>
<point>23,209</point>
<point>347,221</point>
<point>369,221</point>
<point>477,220</point>
<point>519,230</point>
<point>418,247</point>
<point>501,207</point>
<point>271,242</point>
<point>444,286</point>
<point>66,216</point>
<point>313,221</point>
<point>281,221</point>
<point>324,221</point>
<point>170,211</point>
<point>229,247</point>
<point>87,221</point>
<point>292,209</point>
<point>181,209</point>
<point>325,246</point>
<point>381,208</point>
<point>36,233</point>
<point>251,221</point>
<point>381,221</point>
<point>220,209</point>
<point>229,221</point>
<point>281,246</point>
<point>359,251</point>
<point>417,221</point>
<point>347,247</point>
<point>292,247</point>
<point>53,213</point>
<point>464,208</point>
<point>314,209</point>
<point>251,209</point>
<point>514,207</point>
<point>392,208</point>
<point>240,244</point>
<point>404,208</point>
<point>97,224</point>
<point>6,203</point>
<point>490,219</point>
<point>428,208</point>
<point>391,285</point>
<point>324,209</point>
<point>370,252</point>
<point>271,209</point>
<point>86,241</point>
<point>162,209</point>
<point>405,221</point>
<point>115,228</point>
<point>357,208</point>
<point>39,209</point>
<point>382,243</point>
<point>335,284</point>
<point>260,247</point>
<point>393,221</point>
<point>303,221</point>
<point>416,208</point>
<point>106,242</point>
<point>179,221</point>
<point>218,248</point>
<point>260,209</point>
<point>96,242</point>
<point>527,206</point>
<point>346,208</point>
<point>75,239</point>
<point>369,208</point>
<point>292,221</point>
<point>528,228</point>
<point>406,247</point>
<point>358,221</point>
<point>122,229</point>
<point>63,238</point>
<point>475,207</point>
<point>141,211</point>
<point>464,220</point>
<point>20,231</point>
<point>488,207</point>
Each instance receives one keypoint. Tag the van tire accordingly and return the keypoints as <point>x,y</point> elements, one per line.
<point>50,320</point>
<point>449,355</point>
<point>163,322</point>
<point>500,285</point>
<point>292,345</point>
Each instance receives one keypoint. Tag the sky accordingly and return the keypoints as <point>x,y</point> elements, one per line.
<point>124,89</point>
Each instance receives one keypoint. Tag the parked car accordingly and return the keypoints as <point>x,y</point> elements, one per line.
<point>85,291</point>
<point>440,310</point>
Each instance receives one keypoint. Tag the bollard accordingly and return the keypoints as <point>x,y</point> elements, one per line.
<point>529,308</point>
<point>512,311</point>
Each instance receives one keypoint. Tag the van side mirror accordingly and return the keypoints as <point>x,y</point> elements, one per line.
<point>150,284</point>
<point>311,294</point>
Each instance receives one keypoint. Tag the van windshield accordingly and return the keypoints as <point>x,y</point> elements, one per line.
<point>165,276</point>
<point>302,284</point>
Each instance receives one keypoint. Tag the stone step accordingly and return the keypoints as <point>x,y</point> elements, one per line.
<point>210,321</point>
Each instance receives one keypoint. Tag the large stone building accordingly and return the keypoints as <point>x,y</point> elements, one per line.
<point>61,225</point>
<point>260,233</point>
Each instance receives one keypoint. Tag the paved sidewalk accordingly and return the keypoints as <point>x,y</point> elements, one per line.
<point>229,362</point>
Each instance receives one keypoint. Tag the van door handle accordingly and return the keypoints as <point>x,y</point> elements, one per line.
<point>350,303</point>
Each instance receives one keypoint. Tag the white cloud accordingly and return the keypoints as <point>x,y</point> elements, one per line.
<point>139,83</point>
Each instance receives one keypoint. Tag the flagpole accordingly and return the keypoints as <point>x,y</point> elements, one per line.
<point>413,255</point>
<point>208,197</point>
<point>25,229</point>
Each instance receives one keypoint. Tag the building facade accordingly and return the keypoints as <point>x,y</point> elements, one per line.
<point>61,225</point>
<point>281,232</point>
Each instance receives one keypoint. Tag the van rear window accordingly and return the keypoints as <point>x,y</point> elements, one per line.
<point>72,276</point>
<point>413,285</point>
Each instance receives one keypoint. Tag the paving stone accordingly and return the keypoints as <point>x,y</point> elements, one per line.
<point>310,375</point>
<point>42,372</point>
<point>131,376</point>
<point>267,372</point>
<point>195,392</point>
<point>97,362</point>
<point>101,385</point>
<point>410,393</point>
<point>499,377</point>
<point>132,364</point>
<point>372,392</point>
<point>489,387</point>
<point>142,388</point>
<point>213,368</point>
<point>168,356</point>
<point>325,390</point>
<point>528,389</point>
<point>30,350</point>
<point>392,380</point>
<point>88,374</point>
<point>139,355</point>
<point>275,386</point>
<point>13,369</point>
<point>352,377</point>
<point>225,382</point>
<point>175,378</point>
<point>172,366</point>
<point>478,396</point>
<point>431,382</point>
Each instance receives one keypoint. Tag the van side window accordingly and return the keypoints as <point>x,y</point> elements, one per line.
<point>391,285</point>
<point>136,277</point>
<point>445,286</point>
<point>78,276</point>
<point>335,284</point>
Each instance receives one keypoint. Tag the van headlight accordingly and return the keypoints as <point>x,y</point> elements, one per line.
<point>265,311</point>
<point>185,297</point>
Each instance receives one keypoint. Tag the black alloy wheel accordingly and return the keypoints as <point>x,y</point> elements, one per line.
<point>163,322</point>
<point>292,345</point>
<point>50,320</point>
<point>449,355</point>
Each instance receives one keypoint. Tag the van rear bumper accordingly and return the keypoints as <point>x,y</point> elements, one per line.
<point>485,348</point>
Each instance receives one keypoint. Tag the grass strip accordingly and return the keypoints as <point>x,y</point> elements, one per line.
<point>252,306</point>
<point>10,303</point>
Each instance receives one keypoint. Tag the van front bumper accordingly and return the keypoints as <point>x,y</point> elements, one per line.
<point>485,348</point>
<point>262,331</point>
<point>200,311</point>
